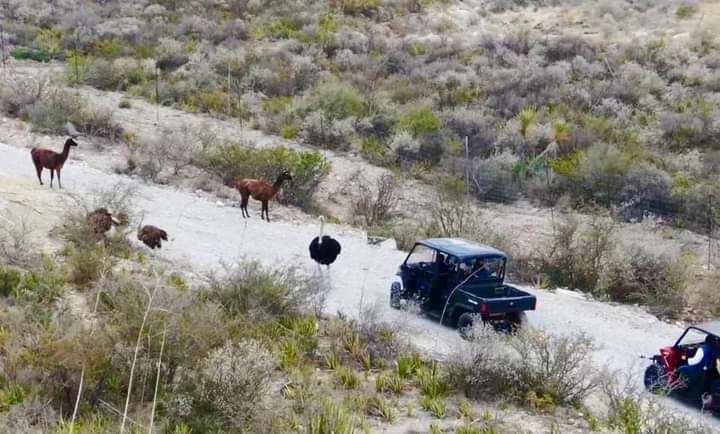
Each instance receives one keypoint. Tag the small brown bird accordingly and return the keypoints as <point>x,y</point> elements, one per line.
<point>152,236</point>
<point>100,221</point>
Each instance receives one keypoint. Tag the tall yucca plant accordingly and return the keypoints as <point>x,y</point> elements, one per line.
<point>560,131</point>
<point>527,118</point>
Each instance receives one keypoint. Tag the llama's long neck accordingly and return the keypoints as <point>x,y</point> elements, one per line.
<point>278,184</point>
<point>65,152</point>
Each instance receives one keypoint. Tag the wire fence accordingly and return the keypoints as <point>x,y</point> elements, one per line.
<point>698,212</point>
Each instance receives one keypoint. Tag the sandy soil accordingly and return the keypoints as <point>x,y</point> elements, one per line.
<point>205,235</point>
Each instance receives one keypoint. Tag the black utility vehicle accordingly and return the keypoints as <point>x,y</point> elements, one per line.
<point>457,281</point>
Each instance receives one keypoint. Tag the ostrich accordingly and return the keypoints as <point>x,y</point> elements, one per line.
<point>323,248</point>
<point>48,159</point>
<point>151,236</point>
<point>100,221</point>
<point>260,190</point>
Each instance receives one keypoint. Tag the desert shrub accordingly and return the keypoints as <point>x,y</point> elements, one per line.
<point>232,161</point>
<point>479,128</point>
<point>568,47</point>
<point>357,7</point>
<point>528,367</point>
<point>420,122</point>
<point>375,206</point>
<point>685,10</point>
<point>632,410</point>
<point>75,229</point>
<point>700,207</point>
<point>337,100</point>
<point>168,154</point>
<point>647,189</point>
<point>325,132</point>
<point>9,281</point>
<point>493,178</point>
<point>50,114</point>
<point>16,244</point>
<point>234,379</point>
<point>36,54</point>
<point>691,125</point>
<point>601,173</point>
<point>261,293</point>
<point>640,276</point>
<point>18,95</point>
<point>578,253</point>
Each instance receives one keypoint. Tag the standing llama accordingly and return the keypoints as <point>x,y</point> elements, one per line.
<point>260,190</point>
<point>47,159</point>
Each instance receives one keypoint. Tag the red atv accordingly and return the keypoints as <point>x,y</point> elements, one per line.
<point>690,369</point>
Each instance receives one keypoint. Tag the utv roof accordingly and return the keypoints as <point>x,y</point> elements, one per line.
<point>712,327</point>
<point>463,249</point>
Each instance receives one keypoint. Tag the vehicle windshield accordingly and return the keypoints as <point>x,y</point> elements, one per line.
<point>692,337</point>
<point>483,268</point>
<point>421,254</point>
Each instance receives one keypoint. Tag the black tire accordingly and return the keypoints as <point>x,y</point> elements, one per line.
<point>465,323</point>
<point>516,321</point>
<point>654,378</point>
<point>395,302</point>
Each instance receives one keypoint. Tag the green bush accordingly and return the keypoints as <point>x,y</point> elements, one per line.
<point>531,367</point>
<point>639,276</point>
<point>87,263</point>
<point>685,11</point>
<point>262,294</point>
<point>9,281</point>
<point>51,113</point>
<point>337,100</point>
<point>35,54</point>
<point>420,122</point>
<point>234,161</point>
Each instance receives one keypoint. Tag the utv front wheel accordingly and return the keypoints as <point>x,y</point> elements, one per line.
<point>654,378</point>
<point>395,301</point>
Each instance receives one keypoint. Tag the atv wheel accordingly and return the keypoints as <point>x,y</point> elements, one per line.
<point>465,323</point>
<point>654,378</point>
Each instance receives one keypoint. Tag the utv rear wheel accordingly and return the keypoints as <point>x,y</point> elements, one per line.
<point>517,321</point>
<point>465,323</point>
<point>654,378</point>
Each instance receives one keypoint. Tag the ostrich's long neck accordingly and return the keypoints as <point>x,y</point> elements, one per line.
<point>322,228</point>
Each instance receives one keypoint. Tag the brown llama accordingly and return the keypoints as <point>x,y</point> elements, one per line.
<point>260,190</point>
<point>47,159</point>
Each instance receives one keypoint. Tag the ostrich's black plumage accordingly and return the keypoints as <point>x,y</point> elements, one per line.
<point>326,252</point>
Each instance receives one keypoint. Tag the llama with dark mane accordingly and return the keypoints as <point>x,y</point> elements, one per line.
<point>48,159</point>
<point>260,190</point>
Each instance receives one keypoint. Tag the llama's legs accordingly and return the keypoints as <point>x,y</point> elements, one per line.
<point>243,206</point>
<point>59,184</point>
<point>52,176</point>
<point>267,214</point>
<point>38,170</point>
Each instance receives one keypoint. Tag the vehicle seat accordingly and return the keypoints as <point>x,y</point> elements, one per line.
<point>693,373</point>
